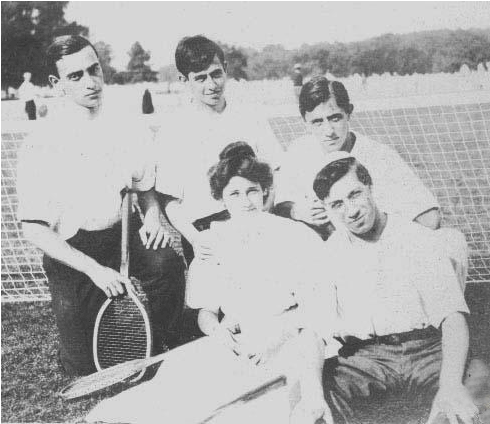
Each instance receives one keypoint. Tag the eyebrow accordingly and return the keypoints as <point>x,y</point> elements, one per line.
<point>75,74</point>
<point>93,66</point>
<point>334,116</point>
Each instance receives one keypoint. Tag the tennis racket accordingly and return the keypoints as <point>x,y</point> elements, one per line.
<point>123,328</point>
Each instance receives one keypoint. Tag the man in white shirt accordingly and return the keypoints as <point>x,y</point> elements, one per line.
<point>71,174</point>
<point>191,139</point>
<point>326,109</point>
<point>401,312</point>
<point>27,94</point>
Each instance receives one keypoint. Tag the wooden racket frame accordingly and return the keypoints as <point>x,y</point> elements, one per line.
<point>127,205</point>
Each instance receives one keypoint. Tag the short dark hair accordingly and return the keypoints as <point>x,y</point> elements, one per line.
<point>319,90</point>
<point>336,170</point>
<point>195,54</point>
<point>238,159</point>
<point>63,46</point>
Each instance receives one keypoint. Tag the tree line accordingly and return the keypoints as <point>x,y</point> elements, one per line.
<point>420,52</point>
<point>28,27</point>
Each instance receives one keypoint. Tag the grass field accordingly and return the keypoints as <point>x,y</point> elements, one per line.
<point>31,378</point>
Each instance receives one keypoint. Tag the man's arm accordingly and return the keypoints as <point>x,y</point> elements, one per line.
<point>153,229</point>
<point>313,214</point>
<point>107,279</point>
<point>311,406</point>
<point>182,222</point>
<point>452,398</point>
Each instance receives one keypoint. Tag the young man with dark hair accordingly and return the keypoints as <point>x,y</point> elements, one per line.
<point>326,109</point>
<point>71,174</point>
<point>401,313</point>
<point>191,139</point>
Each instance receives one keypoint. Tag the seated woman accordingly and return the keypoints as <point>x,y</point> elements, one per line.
<point>262,281</point>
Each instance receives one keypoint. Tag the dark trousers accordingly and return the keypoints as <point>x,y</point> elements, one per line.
<point>361,382</point>
<point>76,299</point>
<point>31,110</point>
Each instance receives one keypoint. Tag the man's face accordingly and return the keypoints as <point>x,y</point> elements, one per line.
<point>208,86</point>
<point>243,197</point>
<point>351,204</point>
<point>80,77</point>
<point>329,124</point>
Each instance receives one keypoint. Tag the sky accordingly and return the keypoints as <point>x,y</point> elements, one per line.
<point>158,26</point>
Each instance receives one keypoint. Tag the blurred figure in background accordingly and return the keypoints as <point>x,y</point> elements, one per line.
<point>27,93</point>
<point>147,103</point>
<point>297,78</point>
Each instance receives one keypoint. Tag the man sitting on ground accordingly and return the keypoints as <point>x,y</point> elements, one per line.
<point>401,313</point>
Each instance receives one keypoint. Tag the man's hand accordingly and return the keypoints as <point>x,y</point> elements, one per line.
<point>311,212</point>
<point>153,231</point>
<point>204,245</point>
<point>110,281</point>
<point>225,337</point>
<point>454,403</point>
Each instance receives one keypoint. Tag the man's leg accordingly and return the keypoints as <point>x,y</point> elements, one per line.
<point>75,302</point>
<point>31,110</point>
<point>355,383</point>
<point>161,272</point>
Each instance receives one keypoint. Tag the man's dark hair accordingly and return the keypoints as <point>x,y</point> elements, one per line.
<point>63,46</point>
<point>238,159</point>
<point>319,90</point>
<point>195,54</point>
<point>336,170</point>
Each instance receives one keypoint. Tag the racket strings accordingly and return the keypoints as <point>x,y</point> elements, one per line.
<point>122,333</point>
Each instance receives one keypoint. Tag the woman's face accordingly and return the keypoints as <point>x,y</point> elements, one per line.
<point>242,197</point>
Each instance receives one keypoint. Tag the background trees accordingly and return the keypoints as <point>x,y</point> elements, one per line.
<point>27,29</point>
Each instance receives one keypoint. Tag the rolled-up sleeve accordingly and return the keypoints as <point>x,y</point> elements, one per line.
<point>170,165</point>
<point>437,283</point>
<point>142,160</point>
<point>405,191</point>
<point>36,183</point>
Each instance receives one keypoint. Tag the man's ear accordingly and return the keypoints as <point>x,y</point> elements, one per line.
<point>350,109</point>
<point>225,66</point>
<point>53,80</point>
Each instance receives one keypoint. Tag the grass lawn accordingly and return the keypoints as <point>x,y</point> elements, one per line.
<point>31,378</point>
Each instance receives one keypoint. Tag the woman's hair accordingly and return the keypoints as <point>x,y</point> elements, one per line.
<point>238,159</point>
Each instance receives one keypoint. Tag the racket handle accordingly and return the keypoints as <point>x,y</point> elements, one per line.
<point>125,229</point>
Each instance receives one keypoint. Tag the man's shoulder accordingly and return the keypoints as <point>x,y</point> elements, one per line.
<point>411,234</point>
<point>302,145</point>
<point>367,147</point>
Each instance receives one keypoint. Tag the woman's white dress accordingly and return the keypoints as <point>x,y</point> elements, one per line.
<point>263,266</point>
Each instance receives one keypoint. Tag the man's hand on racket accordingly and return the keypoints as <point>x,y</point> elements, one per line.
<point>111,282</point>
<point>311,211</point>
<point>152,231</point>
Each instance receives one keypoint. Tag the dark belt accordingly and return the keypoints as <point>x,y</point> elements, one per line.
<point>393,339</point>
